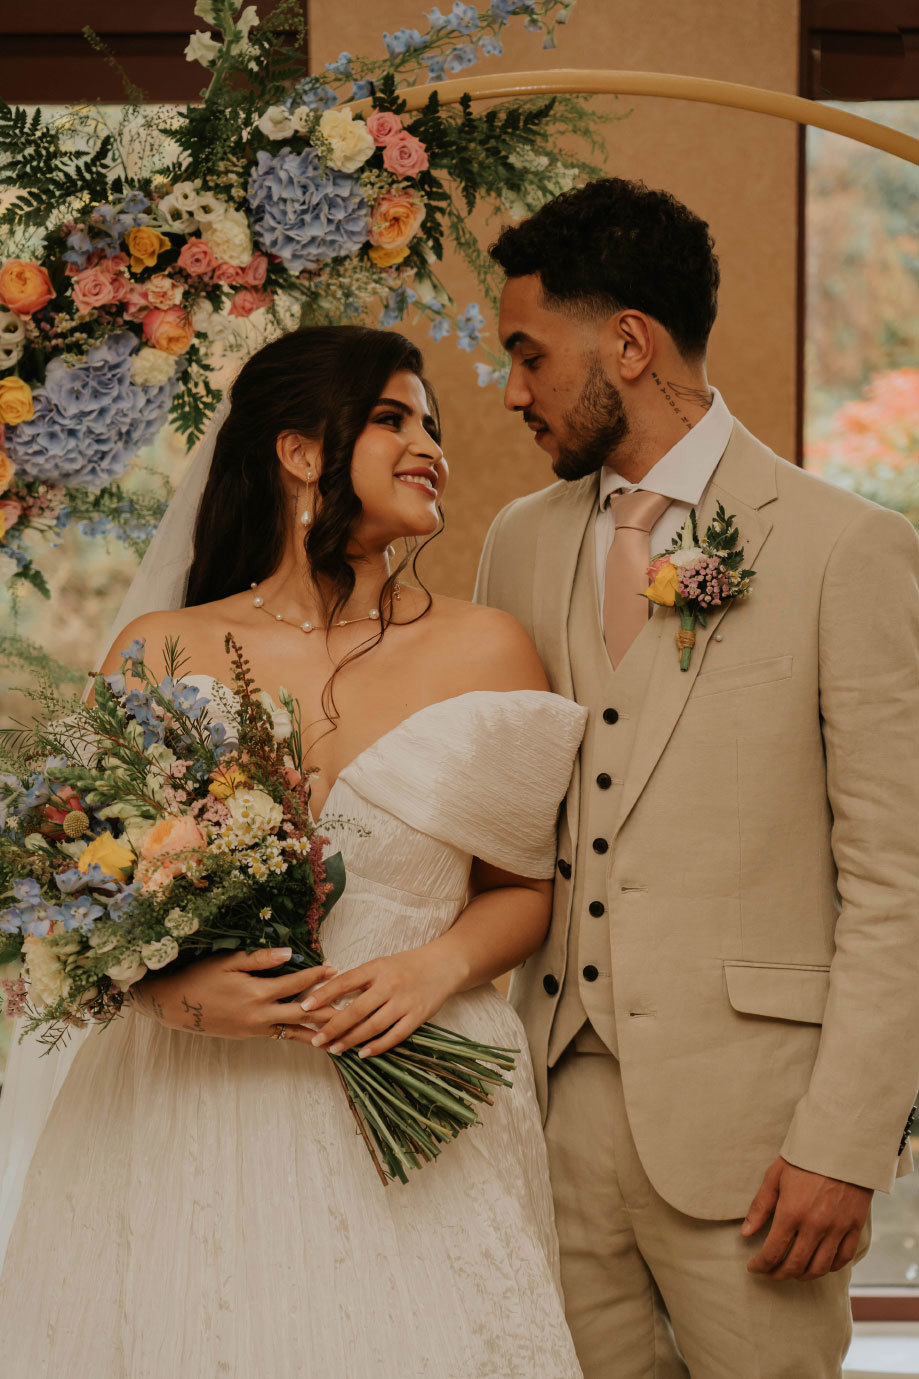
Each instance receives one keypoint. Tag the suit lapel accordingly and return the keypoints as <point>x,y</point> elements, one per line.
<point>745,483</point>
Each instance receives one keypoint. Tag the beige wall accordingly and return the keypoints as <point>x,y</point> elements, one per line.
<point>737,170</point>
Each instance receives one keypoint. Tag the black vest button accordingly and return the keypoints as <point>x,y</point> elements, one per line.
<point>604,781</point>
<point>550,984</point>
<point>601,845</point>
<point>564,868</point>
<point>590,973</point>
<point>597,908</point>
<point>610,716</point>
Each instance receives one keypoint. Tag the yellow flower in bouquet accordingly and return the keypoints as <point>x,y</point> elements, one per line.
<point>664,588</point>
<point>113,857</point>
<point>385,258</point>
<point>15,401</point>
<point>7,471</point>
<point>227,781</point>
<point>145,246</point>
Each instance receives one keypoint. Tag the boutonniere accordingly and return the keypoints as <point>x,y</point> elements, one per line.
<point>696,575</point>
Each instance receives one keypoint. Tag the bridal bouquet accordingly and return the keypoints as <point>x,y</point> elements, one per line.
<point>153,834</point>
<point>696,575</point>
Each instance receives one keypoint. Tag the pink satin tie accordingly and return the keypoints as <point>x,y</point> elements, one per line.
<point>624,612</point>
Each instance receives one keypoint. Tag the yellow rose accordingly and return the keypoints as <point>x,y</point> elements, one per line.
<point>663,590</point>
<point>113,857</point>
<point>15,401</point>
<point>227,782</point>
<point>385,258</point>
<point>6,472</point>
<point>145,246</point>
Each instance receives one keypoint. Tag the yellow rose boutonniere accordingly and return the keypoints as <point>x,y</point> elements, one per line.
<point>145,246</point>
<point>113,857</point>
<point>663,590</point>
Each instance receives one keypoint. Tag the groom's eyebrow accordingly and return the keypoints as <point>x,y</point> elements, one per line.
<point>518,337</point>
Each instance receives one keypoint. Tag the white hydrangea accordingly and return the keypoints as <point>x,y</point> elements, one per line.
<point>202,48</point>
<point>152,368</point>
<point>349,140</point>
<point>277,123</point>
<point>230,239</point>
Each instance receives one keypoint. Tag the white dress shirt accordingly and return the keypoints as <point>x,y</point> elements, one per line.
<point>682,475</point>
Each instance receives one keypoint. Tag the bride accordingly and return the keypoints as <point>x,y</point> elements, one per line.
<point>199,1202</point>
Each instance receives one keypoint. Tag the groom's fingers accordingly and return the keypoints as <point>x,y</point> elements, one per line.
<point>823,1261</point>
<point>764,1203</point>
<point>775,1247</point>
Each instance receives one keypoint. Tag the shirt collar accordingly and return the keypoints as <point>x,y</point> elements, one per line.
<point>684,471</point>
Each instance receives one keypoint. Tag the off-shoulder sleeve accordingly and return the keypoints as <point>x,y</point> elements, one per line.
<point>484,772</point>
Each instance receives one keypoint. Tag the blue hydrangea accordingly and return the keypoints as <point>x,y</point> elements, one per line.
<point>469,328</point>
<point>37,793</point>
<point>440,328</point>
<point>303,215</point>
<point>90,419</point>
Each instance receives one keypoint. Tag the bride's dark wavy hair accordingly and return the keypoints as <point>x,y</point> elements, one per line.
<point>323,383</point>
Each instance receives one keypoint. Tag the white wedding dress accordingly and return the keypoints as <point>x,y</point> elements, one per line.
<point>205,1207</point>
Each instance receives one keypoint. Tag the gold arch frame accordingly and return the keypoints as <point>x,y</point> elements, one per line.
<point>757,99</point>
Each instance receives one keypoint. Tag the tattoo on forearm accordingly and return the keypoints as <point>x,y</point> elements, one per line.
<point>196,1011</point>
<point>677,395</point>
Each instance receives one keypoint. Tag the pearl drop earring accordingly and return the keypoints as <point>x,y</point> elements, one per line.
<point>306,516</point>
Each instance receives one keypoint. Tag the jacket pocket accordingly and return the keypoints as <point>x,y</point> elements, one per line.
<point>780,991</point>
<point>743,676</point>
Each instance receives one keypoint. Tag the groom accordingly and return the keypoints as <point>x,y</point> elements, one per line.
<point>724,1017</point>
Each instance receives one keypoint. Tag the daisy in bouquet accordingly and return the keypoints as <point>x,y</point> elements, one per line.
<point>152,834</point>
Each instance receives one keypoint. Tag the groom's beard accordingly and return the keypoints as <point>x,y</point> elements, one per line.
<point>597,425</point>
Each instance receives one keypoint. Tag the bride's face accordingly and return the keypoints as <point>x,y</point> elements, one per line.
<point>398,469</point>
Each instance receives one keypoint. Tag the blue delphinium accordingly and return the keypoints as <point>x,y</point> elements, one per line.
<point>303,215</point>
<point>341,66</point>
<point>435,64</point>
<point>403,41</point>
<point>486,375</point>
<point>440,329</point>
<point>90,419</point>
<point>491,47</point>
<point>312,93</point>
<point>469,328</point>
<point>185,697</point>
<point>81,914</point>
<point>396,305</point>
<point>361,90</point>
<point>463,55</point>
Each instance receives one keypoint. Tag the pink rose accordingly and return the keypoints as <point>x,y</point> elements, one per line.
<point>121,287</point>
<point>255,270</point>
<point>228,273</point>
<point>196,257</point>
<point>656,565</point>
<point>137,303</point>
<point>113,265</point>
<point>247,301</point>
<point>164,291</point>
<point>404,155</point>
<point>170,331</point>
<point>382,126</point>
<point>92,288</point>
<point>10,513</point>
<point>396,218</point>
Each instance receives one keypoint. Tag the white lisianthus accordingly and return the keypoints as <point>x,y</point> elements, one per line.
<point>174,215</point>
<point>48,981</point>
<point>253,810</point>
<point>276,123</point>
<point>125,973</point>
<point>350,140</point>
<point>209,322</point>
<point>159,954</point>
<point>281,726</point>
<point>303,119</point>
<point>186,195</point>
<point>230,239</point>
<point>179,924</point>
<point>12,338</point>
<point>202,48</point>
<point>152,368</point>
<point>209,208</point>
<point>689,556</point>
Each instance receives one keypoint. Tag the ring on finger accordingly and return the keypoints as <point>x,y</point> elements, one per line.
<point>281,1032</point>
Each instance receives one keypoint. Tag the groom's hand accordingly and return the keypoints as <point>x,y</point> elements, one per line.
<point>816,1222</point>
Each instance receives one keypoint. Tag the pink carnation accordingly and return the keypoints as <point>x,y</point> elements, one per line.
<point>405,156</point>
<point>382,126</point>
<point>137,302</point>
<point>196,257</point>
<point>92,288</point>
<point>255,271</point>
<point>247,301</point>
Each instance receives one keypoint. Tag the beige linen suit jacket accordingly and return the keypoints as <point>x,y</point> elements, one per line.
<point>764,873</point>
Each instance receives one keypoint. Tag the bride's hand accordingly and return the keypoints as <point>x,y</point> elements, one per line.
<point>394,996</point>
<point>222,997</point>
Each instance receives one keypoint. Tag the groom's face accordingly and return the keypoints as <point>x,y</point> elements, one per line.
<point>558,382</point>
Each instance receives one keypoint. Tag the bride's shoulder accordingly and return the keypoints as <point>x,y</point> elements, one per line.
<point>493,650</point>
<point>201,628</point>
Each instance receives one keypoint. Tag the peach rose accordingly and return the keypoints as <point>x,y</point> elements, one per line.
<point>256,270</point>
<point>197,258</point>
<point>247,301</point>
<point>164,291</point>
<point>92,288</point>
<point>15,401</point>
<point>396,219</point>
<point>169,331</point>
<point>7,470</point>
<point>382,126</point>
<point>405,155</point>
<point>24,287</point>
<point>146,245</point>
<point>10,513</point>
<point>657,564</point>
<point>167,851</point>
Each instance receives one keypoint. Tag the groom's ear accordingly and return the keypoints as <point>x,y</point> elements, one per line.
<point>299,455</point>
<point>630,343</point>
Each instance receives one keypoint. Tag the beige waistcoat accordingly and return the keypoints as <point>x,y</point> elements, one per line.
<point>762,877</point>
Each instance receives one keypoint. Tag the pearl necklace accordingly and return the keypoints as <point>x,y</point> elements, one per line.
<point>372,616</point>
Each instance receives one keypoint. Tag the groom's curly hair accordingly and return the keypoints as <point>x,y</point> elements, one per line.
<point>322,382</point>
<point>614,244</point>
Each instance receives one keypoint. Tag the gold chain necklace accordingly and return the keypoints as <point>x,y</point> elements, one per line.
<point>372,616</point>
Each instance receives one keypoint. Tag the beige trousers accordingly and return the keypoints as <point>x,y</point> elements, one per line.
<point>651,1293</point>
